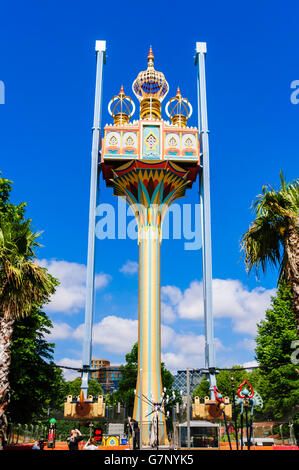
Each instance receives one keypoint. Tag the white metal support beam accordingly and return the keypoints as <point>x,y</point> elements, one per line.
<point>100,49</point>
<point>201,49</point>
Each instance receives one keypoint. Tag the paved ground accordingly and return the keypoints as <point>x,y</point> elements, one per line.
<point>223,446</point>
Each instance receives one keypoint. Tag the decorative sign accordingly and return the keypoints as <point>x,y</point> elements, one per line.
<point>151,142</point>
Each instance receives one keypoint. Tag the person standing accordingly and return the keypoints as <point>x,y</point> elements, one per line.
<point>135,432</point>
<point>74,439</point>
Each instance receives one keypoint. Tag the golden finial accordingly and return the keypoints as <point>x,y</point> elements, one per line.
<point>120,108</point>
<point>150,58</point>
<point>178,109</point>
<point>150,87</point>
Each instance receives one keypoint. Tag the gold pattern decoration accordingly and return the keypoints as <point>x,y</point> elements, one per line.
<point>151,141</point>
<point>188,142</point>
<point>121,108</point>
<point>172,142</point>
<point>150,88</point>
<point>113,141</point>
<point>178,109</point>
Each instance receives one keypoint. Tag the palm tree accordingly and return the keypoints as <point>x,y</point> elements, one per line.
<point>22,283</point>
<point>273,238</point>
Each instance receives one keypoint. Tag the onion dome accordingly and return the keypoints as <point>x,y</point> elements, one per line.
<point>178,109</point>
<point>121,108</point>
<point>150,87</point>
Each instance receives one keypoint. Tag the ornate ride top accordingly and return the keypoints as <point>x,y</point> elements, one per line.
<point>150,163</point>
<point>150,88</point>
<point>150,138</point>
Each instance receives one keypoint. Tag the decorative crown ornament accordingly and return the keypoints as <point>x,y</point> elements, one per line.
<point>178,109</point>
<point>150,88</point>
<point>121,108</point>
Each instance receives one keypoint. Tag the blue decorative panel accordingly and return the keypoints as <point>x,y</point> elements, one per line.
<point>151,142</point>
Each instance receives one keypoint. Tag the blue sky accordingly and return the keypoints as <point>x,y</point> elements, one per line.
<point>47,64</point>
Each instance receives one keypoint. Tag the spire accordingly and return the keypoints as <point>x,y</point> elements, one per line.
<point>122,91</point>
<point>150,87</point>
<point>178,109</point>
<point>150,58</point>
<point>121,108</point>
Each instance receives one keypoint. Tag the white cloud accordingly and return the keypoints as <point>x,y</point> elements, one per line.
<point>170,297</point>
<point>188,351</point>
<point>60,331</point>
<point>167,336</point>
<point>247,344</point>
<point>231,299</point>
<point>130,267</point>
<point>68,373</point>
<point>70,294</point>
<point>250,364</point>
<point>168,313</point>
<point>171,293</point>
<point>115,334</point>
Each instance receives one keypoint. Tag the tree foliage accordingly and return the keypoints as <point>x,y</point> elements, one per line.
<point>279,379</point>
<point>35,383</point>
<point>24,288</point>
<point>73,387</point>
<point>225,383</point>
<point>125,392</point>
<point>273,238</point>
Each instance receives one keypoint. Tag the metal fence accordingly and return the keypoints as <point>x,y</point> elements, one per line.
<point>278,433</point>
<point>25,433</point>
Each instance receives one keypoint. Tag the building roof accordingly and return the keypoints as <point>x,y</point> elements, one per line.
<point>199,424</point>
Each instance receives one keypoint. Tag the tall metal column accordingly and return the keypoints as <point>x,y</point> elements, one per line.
<point>201,49</point>
<point>100,48</point>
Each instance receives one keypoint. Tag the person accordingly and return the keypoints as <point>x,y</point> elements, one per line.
<point>35,446</point>
<point>91,444</point>
<point>41,443</point>
<point>135,432</point>
<point>74,438</point>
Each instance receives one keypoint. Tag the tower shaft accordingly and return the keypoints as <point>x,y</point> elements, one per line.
<point>149,188</point>
<point>149,381</point>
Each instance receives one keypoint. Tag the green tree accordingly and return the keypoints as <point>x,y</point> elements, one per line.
<point>278,378</point>
<point>23,284</point>
<point>73,387</point>
<point>224,382</point>
<point>125,392</point>
<point>35,383</point>
<point>228,382</point>
<point>273,238</point>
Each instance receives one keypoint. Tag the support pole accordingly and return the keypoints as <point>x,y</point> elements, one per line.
<point>96,131</point>
<point>188,408</point>
<point>235,412</point>
<point>201,50</point>
<point>140,413</point>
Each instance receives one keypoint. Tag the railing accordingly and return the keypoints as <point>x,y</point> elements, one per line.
<point>25,434</point>
<point>279,434</point>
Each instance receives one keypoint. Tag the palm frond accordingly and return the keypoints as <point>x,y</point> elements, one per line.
<point>22,281</point>
<point>276,215</point>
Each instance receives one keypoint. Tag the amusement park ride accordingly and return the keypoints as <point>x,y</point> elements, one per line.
<point>151,163</point>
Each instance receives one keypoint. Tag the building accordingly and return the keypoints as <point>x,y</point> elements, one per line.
<point>106,375</point>
<point>180,380</point>
<point>203,434</point>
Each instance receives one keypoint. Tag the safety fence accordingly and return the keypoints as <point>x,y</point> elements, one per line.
<point>25,433</point>
<point>173,431</point>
